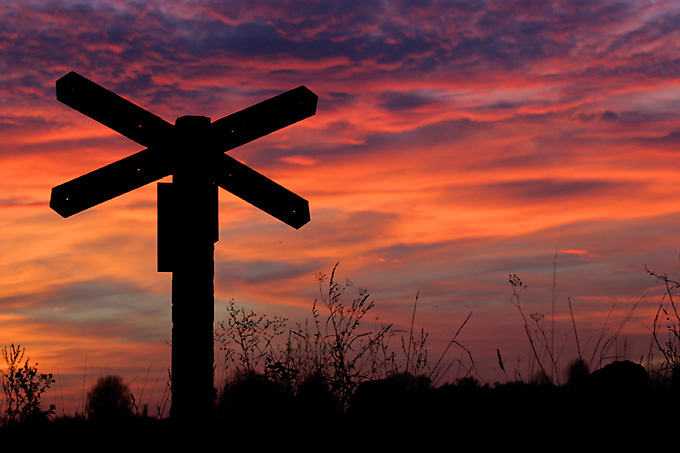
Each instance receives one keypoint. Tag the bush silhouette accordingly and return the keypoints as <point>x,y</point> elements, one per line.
<point>618,397</point>
<point>577,373</point>
<point>314,398</point>
<point>23,387</point>
<point>109,400</point>
<point>390,401</point>
<point>251,396</point>
<point>620,381</point>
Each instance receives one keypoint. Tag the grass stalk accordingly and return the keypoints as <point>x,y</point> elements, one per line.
<point>573,323</point>
<point>410,335</point>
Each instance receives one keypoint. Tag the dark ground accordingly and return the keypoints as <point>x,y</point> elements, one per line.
<point>611,416</point>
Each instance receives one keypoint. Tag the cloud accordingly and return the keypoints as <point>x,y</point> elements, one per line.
<point>17,202</point>
<point>549,189</point>
<point>393,100</point>
<point>455,142</point>
<point>671,138</point>
<point>120,309</point>
<point>299,160</point>
<point>259,271</point>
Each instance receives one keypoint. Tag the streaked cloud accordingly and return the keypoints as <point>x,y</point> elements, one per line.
<point>455,142</point>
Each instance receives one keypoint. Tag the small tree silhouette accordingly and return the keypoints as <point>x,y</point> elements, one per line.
<point>577,373</point>
<point>109,400</point>
<point>23,387</point>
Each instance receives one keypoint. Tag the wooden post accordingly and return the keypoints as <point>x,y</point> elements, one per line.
<point>193,269</point>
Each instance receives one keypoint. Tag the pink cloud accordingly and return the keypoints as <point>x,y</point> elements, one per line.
<point>450,148</point>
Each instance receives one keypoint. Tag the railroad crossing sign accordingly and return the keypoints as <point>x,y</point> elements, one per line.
<point>193,152</point>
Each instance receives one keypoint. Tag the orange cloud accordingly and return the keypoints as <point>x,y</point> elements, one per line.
<point>450,149</point>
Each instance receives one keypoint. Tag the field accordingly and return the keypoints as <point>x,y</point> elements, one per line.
<point>330,382</point>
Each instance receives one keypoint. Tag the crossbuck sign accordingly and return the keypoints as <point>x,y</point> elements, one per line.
<point>193,152</point>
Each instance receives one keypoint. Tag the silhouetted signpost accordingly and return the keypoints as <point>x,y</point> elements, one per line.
<point>193,152</point>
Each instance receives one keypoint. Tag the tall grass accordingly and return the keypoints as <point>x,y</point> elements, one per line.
<point>333,346</point>
<point>666,327</point>
<point>546,354</point>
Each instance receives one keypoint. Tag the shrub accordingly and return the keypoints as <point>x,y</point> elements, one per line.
<point>109,400</point>
<point>330,355</point>
<point>577,372</point>
<point>23,387</point>
<point>333,349</point>
<point>247,339</point>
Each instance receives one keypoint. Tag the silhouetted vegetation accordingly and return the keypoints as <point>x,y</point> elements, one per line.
<point>332,354</point>
<point>332,373</point>
<point>109,401</point>
<point>666,327</point>
<point>23,387</point>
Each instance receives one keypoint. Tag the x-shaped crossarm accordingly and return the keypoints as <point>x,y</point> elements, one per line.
<point>159,138</point>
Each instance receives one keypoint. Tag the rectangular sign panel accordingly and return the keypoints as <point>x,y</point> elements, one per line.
<point>175,224</point>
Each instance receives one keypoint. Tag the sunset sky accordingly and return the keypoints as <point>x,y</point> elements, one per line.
<point>455,143</point>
